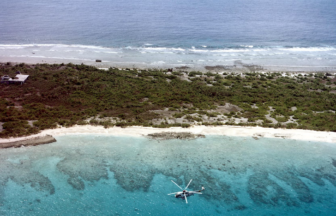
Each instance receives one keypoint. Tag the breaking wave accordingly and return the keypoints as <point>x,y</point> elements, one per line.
<point>149,54</point>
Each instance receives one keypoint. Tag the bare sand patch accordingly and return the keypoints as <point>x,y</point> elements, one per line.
<point>138,131</point>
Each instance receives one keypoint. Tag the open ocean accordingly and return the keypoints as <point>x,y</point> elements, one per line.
<point>110,175</point>
<point>286,34</point>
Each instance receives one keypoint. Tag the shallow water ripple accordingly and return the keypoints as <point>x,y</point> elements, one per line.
<point>97,175</point>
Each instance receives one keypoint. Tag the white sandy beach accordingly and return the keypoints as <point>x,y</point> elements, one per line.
<point>257,132</point>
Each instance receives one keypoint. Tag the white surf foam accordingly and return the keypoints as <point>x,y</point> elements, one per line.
<point>196,56</point>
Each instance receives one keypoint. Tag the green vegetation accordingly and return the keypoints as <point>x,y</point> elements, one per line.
<point>71,94</point>
<point>194,73</point>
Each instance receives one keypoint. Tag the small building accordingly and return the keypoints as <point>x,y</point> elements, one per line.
<point>19,78</point>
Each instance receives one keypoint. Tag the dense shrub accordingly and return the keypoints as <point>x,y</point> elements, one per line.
<point>69,94</point>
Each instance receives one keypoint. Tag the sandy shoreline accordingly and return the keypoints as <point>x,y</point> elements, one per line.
<point>138,131</point>
<point>187,66</point>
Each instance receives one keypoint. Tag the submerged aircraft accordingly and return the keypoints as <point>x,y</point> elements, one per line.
<point>184,193</point>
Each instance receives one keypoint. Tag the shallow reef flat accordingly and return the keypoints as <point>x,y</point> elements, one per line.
<point>111,175</point>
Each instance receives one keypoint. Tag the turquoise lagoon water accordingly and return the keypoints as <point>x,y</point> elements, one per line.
<point>109,175</point>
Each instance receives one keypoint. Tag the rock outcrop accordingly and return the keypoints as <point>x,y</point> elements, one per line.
<point>29,142</point>
<point>175,135</point>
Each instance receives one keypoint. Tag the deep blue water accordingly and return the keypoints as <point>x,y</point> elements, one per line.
<point>284,33</point>
<point>214,23</point>
<point>108,175</point>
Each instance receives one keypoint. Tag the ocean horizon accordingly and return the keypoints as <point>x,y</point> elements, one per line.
<point>196,34</point>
